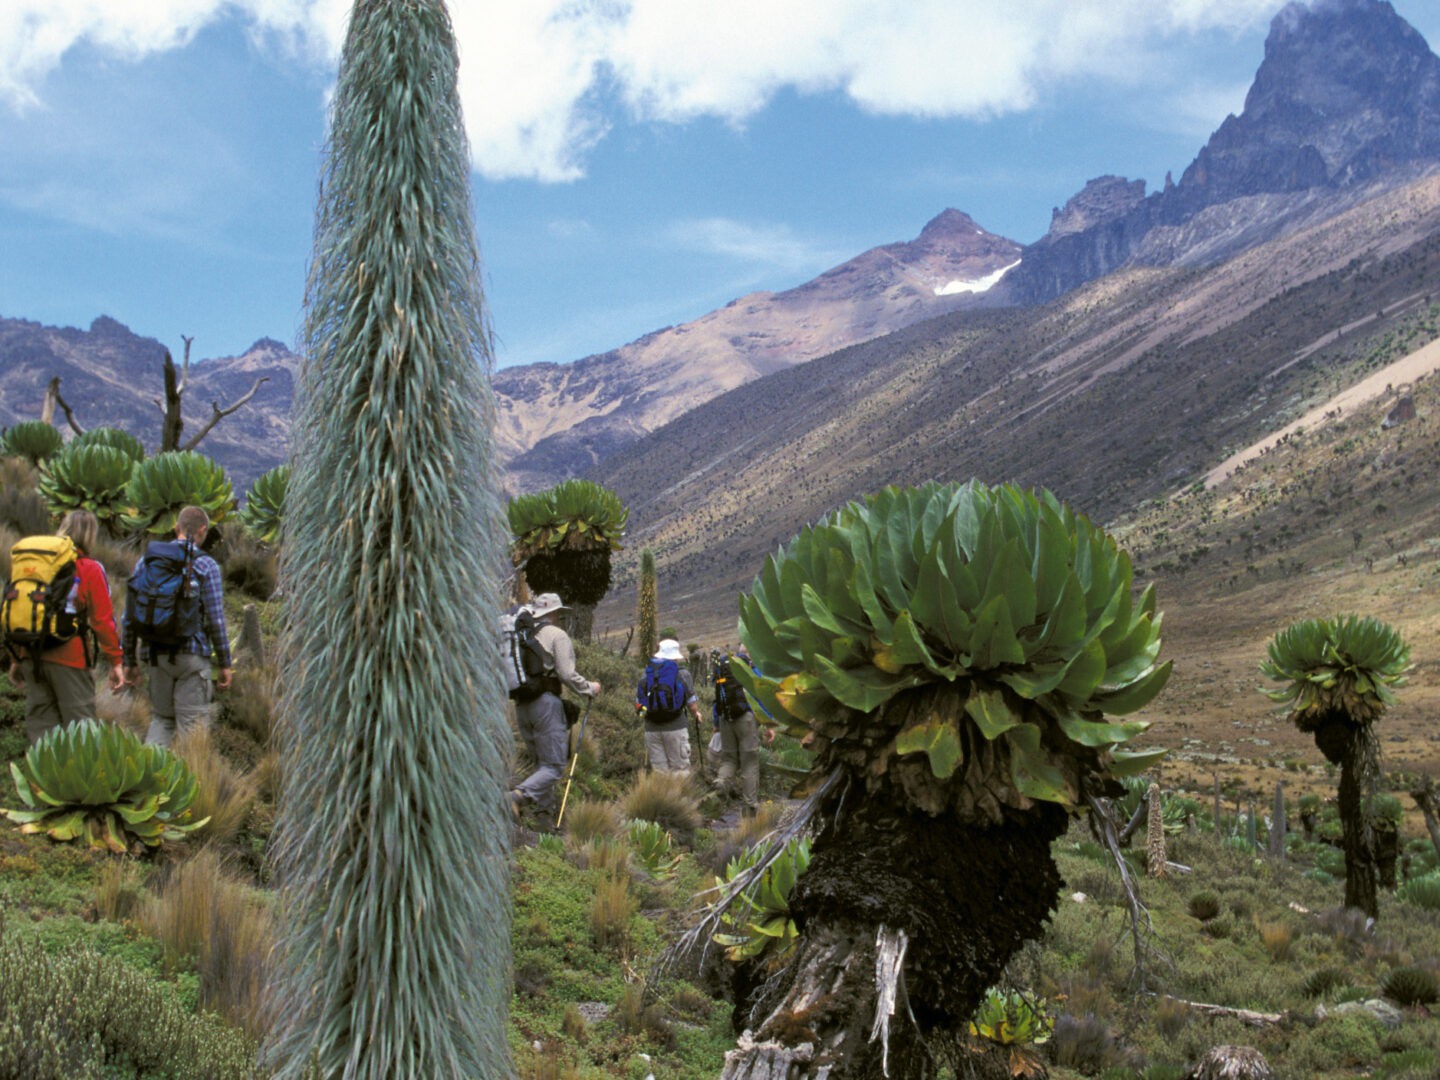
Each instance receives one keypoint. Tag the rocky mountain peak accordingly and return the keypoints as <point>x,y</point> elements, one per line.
<point>948,225</point>
<point>1347,90</point>
<point>1102,199</point>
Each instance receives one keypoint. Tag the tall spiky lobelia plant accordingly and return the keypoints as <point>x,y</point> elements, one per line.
<point>392,836</point>
<point>646,614</point>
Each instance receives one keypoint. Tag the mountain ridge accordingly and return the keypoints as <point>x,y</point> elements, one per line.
<point>111,376</point>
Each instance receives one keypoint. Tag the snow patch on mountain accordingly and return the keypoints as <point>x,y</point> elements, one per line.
<point>978,285</point>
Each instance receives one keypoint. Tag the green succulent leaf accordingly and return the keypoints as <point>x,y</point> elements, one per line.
<point>88,476</point>
<point>938,739</point>
<point>132,447</point>
<point>758,923</point>
<point>264,512</point>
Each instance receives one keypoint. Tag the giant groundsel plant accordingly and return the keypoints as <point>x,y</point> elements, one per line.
<point>956,656</point>
<point>393,834</point>
<point>1337,676</point>
<point>563,537</point>
<point>965,642</point>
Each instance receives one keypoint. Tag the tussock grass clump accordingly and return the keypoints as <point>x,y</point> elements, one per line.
<point>586,819</point>
<point>201,912</point>
<point>225,795</point>
<point>247,565</point>
<point>667,799</point>
<point>610,913</point>
<point>251,705</point>
<point>118,889</point>
<point>22,507</point>
<point>118,558</point>
<point>269,773</point>
<point>636,1018</point>
<point>1276,937</point>
<point>1086,1043</point>
<point>1171,1017</point>
<point>573,1024</point>
<point>129,709</point>
<point>1203,906</point>
<point>608,854</point>
<point>1349,927</point>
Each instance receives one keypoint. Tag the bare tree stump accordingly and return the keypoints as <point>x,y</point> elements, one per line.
<point>1232,1063</point>
<point>251,645</point>
<point>1425,799</point>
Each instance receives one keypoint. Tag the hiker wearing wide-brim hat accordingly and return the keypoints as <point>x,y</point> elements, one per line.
<point>541,720</point>
<point>662,697</point>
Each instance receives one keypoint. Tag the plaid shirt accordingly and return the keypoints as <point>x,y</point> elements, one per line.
<point>206,575</point>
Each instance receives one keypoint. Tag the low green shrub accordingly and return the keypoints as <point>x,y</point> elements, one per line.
<point>76,1015</point>
<point>667,799</point>
<point>1423,892</point>
<point>1203,906</point>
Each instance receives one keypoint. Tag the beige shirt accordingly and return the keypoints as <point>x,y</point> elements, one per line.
<point>559,653</point>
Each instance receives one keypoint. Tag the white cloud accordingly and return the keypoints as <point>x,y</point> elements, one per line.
<point>537,77</point>
<point>774,247</point>
<point>569,228</point>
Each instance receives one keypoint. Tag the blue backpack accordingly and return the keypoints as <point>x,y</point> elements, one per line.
<point>661,691</point>
<point>164,603</point>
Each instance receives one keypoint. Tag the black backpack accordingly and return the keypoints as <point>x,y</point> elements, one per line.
<point>730,702</point>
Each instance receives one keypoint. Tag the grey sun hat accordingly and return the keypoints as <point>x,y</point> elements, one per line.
<point>545,603</point>
<point>669,650</point>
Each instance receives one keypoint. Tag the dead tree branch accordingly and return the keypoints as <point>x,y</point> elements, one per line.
<point>53,398</point>
<point>220,414</point>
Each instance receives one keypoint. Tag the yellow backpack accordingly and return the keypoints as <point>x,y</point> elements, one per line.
<point>35,612</point>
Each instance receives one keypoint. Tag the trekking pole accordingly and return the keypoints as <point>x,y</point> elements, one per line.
<point>573,759</point>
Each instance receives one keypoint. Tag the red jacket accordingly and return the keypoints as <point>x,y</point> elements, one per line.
<point>91,596</point>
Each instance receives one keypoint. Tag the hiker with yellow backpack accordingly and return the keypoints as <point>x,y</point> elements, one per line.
<point>55,594</point>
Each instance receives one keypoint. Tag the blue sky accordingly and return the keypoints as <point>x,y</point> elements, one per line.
<point>637,162</point>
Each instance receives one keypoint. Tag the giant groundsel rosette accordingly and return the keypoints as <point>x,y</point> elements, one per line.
<point>1347,665</point>
<point>89,476</point>
<point>961,642</point>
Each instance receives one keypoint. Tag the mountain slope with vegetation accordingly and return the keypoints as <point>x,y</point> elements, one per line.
<point>1122,392</point>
